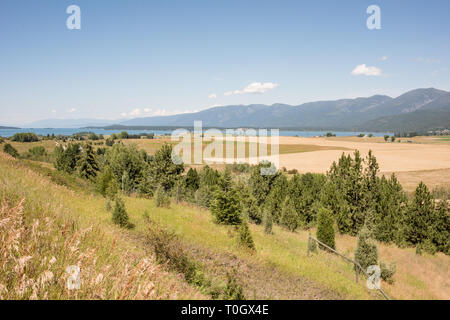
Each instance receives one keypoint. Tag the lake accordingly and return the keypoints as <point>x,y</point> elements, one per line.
<point>70,131</point>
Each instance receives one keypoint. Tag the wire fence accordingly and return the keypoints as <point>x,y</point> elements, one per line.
<point>355,263</point>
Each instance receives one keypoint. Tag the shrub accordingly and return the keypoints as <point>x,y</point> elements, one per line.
<point>162,198</point>
<point>245,237</point>
<point>120,215</point>
<point>312,245</point>
<point>387,272</point>
<point>9,149</point>
<point>25,137</point>
<point>366,253</point>
<point>168,250</point>
<point>233,290</point>
<point>108,205</point>
<point>325,228</point>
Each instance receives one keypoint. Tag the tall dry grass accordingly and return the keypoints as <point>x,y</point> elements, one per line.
<point>39,240</point>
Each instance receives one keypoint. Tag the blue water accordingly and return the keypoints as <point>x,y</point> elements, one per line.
<point>68,132</point>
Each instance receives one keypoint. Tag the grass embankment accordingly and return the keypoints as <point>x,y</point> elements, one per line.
<point>279,269</point>
<point>45,228</point>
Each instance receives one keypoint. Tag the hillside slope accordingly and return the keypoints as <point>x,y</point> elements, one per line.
<point>280,268</point>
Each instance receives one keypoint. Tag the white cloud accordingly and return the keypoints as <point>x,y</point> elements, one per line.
<point>123,114</point>
<point>362,69</point>
<point>147,110</point>
<point>135,112</point>
<point>212,96</point>
<point>71,110</point>
<point>255,87</point>
<point>383,58</point>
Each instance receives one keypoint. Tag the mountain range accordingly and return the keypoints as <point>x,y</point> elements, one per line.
<point>416,110</point>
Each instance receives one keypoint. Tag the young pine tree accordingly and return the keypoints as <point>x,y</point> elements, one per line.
<point>289,216</point>
<point>245,237</point>
<point>325,227</point>
<point>119,214</point>
<point>366,253</point>
<point>267,221</point>
<point>162,198</point>
<point>87,164</point>
<point>419,216</point>
<point>226,206</point>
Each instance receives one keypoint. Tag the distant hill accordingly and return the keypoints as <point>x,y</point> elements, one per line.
<point>3,127</point>
<point>430,116</point>
<point>69,123</point>
<point>416,110</point>
<point>374,113</point>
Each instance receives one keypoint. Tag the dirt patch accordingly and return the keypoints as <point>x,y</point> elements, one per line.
<point>260,281</point>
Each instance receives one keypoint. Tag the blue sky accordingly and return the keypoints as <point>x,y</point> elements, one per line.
<point>143,58</point>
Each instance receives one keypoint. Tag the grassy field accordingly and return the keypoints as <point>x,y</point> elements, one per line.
<point>46,227</point>
<point>280,268</point>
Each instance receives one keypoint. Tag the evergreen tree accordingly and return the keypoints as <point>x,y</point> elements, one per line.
<point>66,158</point>
<point>245,237</point>
<point>162,198</point>
<point>325,228</point>
<point>192,180</point>
<point>274,201</point>
<point>366,253</point>
<point>164,170</point>
<point>103,180</point>
<point>440,228</point>
<point>259,184</point>
<point>119,214</point>
<point>289,216</point>
<point>419,216</point>
<point>127,164</point>
<point>389,206</point>
<point>267,221</point>
<point>87,164</point>
<point>126,184</point>
<point>226,206</point>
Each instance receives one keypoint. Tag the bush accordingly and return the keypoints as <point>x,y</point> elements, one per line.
<point>9,149</point>
<point>120,215</point>
<point>108,205</point>
<point>168,250</point>
<point>245,237</point>
<point>233,290</point>
<point>366,253</point>
<point>162,198</point>
<point>387,272</point>
<point>312,245</point>
<point>325,228</point>
<point>25,137</point>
